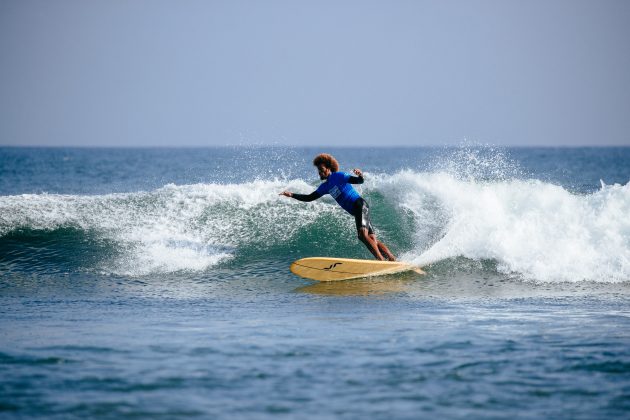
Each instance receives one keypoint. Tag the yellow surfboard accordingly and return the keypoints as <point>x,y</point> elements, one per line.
<point>332,269</point>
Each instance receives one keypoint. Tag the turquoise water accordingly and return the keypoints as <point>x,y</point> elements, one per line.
<point>155,283</point>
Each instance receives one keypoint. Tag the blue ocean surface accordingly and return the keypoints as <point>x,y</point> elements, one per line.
<point>155,283</point>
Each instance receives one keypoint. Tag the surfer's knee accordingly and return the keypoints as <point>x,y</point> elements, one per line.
<point>362,234</point>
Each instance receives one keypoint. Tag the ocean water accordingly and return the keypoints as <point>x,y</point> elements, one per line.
<point>155,283</point>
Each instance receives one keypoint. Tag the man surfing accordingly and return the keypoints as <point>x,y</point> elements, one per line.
<point>338,185</point>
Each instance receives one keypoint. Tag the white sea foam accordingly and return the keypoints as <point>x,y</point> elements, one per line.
<point>191,227</point>
<point>538,230</point>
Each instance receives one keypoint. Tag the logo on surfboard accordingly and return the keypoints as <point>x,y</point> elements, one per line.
<point>333,266</point>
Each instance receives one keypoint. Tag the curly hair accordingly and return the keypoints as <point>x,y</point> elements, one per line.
<point>327,160</point>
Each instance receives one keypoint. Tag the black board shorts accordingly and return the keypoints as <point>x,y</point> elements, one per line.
<point>362,216</point>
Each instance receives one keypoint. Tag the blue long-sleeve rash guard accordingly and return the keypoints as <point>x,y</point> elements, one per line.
<point>338,186</point>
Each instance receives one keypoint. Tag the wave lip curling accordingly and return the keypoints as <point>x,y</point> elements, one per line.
<point>537,230</point>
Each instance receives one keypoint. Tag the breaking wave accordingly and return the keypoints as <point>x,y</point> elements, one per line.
<point>536,230</point>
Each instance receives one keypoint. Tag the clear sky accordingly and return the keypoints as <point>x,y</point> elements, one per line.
<point>344,73</point>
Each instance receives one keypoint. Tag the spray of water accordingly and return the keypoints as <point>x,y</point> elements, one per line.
<point>475,205</point>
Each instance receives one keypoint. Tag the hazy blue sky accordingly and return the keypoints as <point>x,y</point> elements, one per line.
<point>134,72</point>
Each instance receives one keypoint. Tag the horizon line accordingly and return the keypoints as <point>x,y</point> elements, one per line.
<point>324,146</point>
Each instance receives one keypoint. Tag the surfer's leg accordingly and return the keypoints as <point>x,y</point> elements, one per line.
<point>384,250</point>
<point>364,228</point>
<point>370,243</point>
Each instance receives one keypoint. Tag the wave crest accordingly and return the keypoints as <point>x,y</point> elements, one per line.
<point>537,230</point>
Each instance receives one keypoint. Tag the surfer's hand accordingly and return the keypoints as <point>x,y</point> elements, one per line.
<point>286,193</point>
<point>358,172</point>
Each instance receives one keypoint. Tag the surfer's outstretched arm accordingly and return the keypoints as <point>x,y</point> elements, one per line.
<point>302,197</point>
<point>358,179</point>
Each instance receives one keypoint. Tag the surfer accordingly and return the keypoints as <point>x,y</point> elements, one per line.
<point>337,184</point>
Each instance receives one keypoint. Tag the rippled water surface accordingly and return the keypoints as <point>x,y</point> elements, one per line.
<point>133,284</point>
